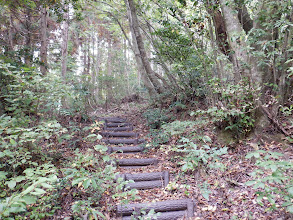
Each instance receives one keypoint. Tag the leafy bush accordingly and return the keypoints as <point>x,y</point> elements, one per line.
<point>91,178</point>
<point>25,174</point>
<point>236,110</point>
<point>177,128</point>
<point>273,177</point>
<point>158,137</point>
<point>156,117</point>
<point>28,93</point>
<point>196,156</point>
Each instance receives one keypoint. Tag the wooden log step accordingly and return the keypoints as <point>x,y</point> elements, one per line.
<point>147,176</point>
<point>114,119</point>
<point>126,149</point>
<point>118,124</point>
<point>175,215</point>
<point>164,206</point>
<point>119,134</point>
<point>145,185</point>
<point>163,177</point>
<point>123,141</point>
<point>130,128</point>
<point>137,162</point>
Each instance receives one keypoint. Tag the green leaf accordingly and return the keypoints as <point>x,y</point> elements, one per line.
<point>11,184</point>
<point>86,183</point>
<point>250,183</point>
<point>206,196</point>
<point>290,208</point>
<point>253,154</point>
<point>46,185</point>
<point>290,191</point>
<point>29,189</point>
<point>29,200</point>
<point>38,191</point>
<point>78,180</point>
<point>16,209</point>
<point>13,142</point>
<point>106,158</point>
<point>20,178</point>
<point>274,167</point>
<point>259,185</point>
<point>94,183</point>
<point>101,148</point>
<point>3,175</point>
<point>206,139</point>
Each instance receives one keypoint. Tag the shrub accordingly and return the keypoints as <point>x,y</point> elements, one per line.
<point>273,177</point>
<point>156,117</point>
<point>26,177</point>
<point>196,156</point>
<point>235,111</point>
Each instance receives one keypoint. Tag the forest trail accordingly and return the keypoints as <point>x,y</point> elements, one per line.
<point>118,132</point>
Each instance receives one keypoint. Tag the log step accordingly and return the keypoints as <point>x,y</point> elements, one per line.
<point>185,205</point>
<point>147,176</point>
<point>114,120</point>
<point>145,185</point>
<point>126,149</point>
<point>119,134</point>
<point>130,128</point>
<point>175,215</point>
<point>124,141</point>
<point>117,124</point>
<point>137,162</point>
<point>146,180</point>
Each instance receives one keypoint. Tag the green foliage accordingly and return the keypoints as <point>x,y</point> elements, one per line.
<point>158,137</point>
<point>236,111</point>
<point>177,128</point>
<point>26,177</point>
<point>197,156</point>
<point>28,93</point>
<point>205,192</point>
<point>156,117</point>
<point>287,110</point>
<point>273,177</point>
<point>91,178</point>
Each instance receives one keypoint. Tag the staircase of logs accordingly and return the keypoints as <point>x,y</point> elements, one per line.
<point>119,136</point>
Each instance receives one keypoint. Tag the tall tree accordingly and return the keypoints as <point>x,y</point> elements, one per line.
<point>64,45</point>
<point>133,22</point>
<point>44,43</point>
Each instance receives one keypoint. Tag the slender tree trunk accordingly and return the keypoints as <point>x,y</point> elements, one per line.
<point>64,46</point>
<point>28,38</point>
<point>109,72</point>
<point>44,43</point>
<point>236,41</point>
<point>283,87</point>
<point>135,25</point>
<point>141,69</point>
<point>11,45</point>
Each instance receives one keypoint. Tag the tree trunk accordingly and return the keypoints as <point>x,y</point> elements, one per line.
<point>109,73</point>
<point>10,34</point>
<point>64,46</point>
<point>44,43</point>
<point>28,38</point>
<point>235,37</point>
<point>141,69</point>
<point>142,53</point>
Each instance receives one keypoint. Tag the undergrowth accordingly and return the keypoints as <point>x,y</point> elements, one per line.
<point>44,166</point>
